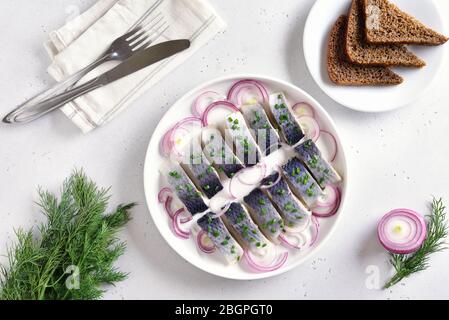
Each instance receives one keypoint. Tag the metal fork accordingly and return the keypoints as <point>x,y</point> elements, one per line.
<point>145,32</point>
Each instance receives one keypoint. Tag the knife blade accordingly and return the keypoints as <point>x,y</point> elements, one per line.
<point>145,58</point>
<point>136,62</point>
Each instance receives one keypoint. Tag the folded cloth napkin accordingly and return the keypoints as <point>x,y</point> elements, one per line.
<point>84,39</point>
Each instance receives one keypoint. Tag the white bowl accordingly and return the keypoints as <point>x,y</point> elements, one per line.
<point>417,81</point>
<point>153,182</point>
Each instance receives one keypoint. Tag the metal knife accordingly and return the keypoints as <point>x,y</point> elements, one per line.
<point>133,64</point>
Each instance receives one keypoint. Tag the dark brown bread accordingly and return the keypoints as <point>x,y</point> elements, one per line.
<point>343,72</point>
<point>386,23</point>
<point>361,52</point>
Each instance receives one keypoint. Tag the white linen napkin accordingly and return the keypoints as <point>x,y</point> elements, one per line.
<point>84,39</point>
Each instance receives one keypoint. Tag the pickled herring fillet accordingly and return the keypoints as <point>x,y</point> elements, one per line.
<point>221,238</point>
<point>288,205</point>
<point>264,214</point>
<point>246,149</point>
<point>264,133</point>
<point>282,114</point>
<point>302,182</point>
<point>322,170</point>
<point>185,189</point>
<point>244,229</point>
<point>220,154</point>
<point>203,174</point>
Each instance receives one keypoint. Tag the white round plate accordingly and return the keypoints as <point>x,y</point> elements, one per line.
<point>153,181</point>
<point>372,99</point>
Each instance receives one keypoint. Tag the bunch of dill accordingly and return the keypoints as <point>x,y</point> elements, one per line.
<point>71,255</point>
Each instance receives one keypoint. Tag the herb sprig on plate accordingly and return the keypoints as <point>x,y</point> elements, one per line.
<point>437,231</point>
<point>71,255</point>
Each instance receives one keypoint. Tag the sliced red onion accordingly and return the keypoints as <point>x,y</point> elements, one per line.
<point>256,266</point>
<point>187,218</point>
<point>293,240</point>
<point>167,142</point>
<point>221,211</point>
<point>328,198</point>
<point>168,208</point>
<point>177,227</point>
<point>239,89</point>
<point>310,127</point>
<point>232,188</point>
<point>326,212</point>
<point>217,104</point>
<point>303,109</point>
<point>327,142</point>
<point>402,231</point>
<point>315,231</point>
<point>204,100</point>
<point>204,243</point>
<point>300,227</point>
<point>247,176</point>
<point>163,194</point>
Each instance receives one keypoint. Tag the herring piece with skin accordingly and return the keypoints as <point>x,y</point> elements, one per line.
<point>185,189</point>
<point>202,173</point>
<point>264,133</point>
<point>302,182</point>
<point>265,214</point>
<point>285,120</point>
<point>219,153</point>
<point>244,229</point>
<point>288,205</point>
<point>236,130</point>
<point>221,238</point>
<point>322,171</point>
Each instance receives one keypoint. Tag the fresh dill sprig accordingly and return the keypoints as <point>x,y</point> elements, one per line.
<point>72,254</point>
<point>437,231</point>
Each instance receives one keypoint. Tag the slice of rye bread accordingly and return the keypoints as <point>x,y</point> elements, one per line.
<point>360,51</point>
<point>343,72</point>
<point>386,23</point>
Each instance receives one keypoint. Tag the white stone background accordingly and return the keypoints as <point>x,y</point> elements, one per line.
<point>397,159</point>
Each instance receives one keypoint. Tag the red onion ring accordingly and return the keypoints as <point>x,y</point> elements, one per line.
<point>235,92</point>
<point>279,145</point>
<point>310,127</point>
<point>329,197</point>
<point>326,212</point>
<point>263,171</point>
<point>263,268</point>
<point>201,239</point>
<point>176,225</point>
<point>186,219</point>
<point>413,241</point>
<point>334,151</point>
<point>217,104</point>
<point>163,194</point>
<point>166,145</point>
<point>167,206</point>
<point>283,238</point>
<point>167,142</point>
<point>303,109</point>
<point>221,212</point>
<point>198,105</point>
<point>300,228</point>
<point>315,231</point>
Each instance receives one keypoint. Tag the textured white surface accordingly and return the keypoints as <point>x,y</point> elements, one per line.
<point>398,159</point>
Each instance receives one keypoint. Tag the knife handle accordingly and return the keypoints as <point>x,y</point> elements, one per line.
<point>36,111</point>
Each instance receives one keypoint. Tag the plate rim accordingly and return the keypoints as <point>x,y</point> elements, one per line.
<point>340,101</point>
<point>236,77</point>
